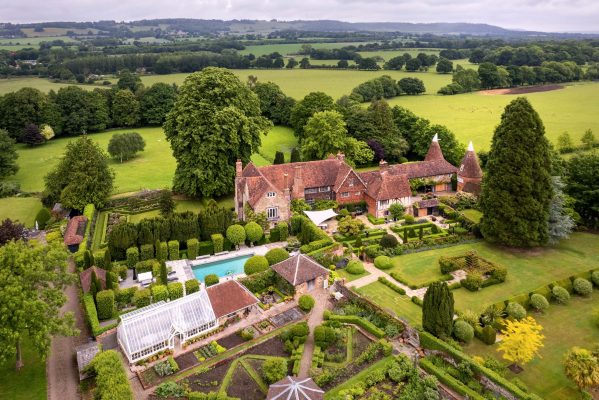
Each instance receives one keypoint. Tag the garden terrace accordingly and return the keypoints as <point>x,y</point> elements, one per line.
<point>152,329</point>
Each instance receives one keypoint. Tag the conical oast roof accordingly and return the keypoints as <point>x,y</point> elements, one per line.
<point>294,388</point>
<point>434,151</point>
<point>470,168</point>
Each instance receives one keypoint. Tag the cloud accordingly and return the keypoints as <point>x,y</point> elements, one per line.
<point>544,15</point>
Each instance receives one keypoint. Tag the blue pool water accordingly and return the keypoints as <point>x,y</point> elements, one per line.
<point>230,266</point>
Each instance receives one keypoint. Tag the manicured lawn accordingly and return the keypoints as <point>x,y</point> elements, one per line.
<point>357,378</point>
<point>388,299</point>
<point>473,215</point>
<point>350,277</point>
<point>280,138</point>
<point>415,270</point>
<point>564,326</point>
<point>22,209</point>
<point>44,85</point>
<point>27,384</point>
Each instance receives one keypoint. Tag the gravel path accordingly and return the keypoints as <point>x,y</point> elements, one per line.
<point>61,366</point>
<point>321,298</point>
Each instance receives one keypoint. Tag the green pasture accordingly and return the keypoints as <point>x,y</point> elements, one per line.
<point>388,299</point>
<point>27,384</point>
<point>22,209</point>
<point>280,138</point>
<point>564,326</point>
<point>184,205</point>
<point>44,85</point>
<point>292,48</point>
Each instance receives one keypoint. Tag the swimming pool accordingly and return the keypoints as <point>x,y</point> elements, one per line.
<point>229,266</point>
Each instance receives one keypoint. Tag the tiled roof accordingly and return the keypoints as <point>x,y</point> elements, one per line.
<point>381,185</point>
<point>228,297</point>
<point>86,278</point>
<point>427,203</point>
<point>472,187</point>
<point>434,152</point>
<point>423,169</point>
<point>75,230</point>
<point>470,167</point>
<point>299,269</point>
<point>294,388</point>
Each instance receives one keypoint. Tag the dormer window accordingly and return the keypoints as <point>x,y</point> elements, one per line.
<point>271,194</point>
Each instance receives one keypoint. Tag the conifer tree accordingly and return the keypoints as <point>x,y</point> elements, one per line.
<point>279,158</point>
<point>295,155</point>
<point>517,188</point>
<point>437,310</point>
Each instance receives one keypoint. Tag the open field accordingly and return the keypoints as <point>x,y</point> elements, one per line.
<point>27,384</point>
<point>44,85</point>
<point>388,299</point>
<point>22,209</point>
<point>564,326</point>
<point>292,48</point>
<point>280,138</point>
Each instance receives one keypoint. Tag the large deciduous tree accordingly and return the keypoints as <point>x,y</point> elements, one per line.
<point>517,189</point>
<point>20,108</point>
<point>32,280</point>
<point>437,310</point>
<point>582,183</point>
<point>81,177</point>
<point>304,109</point>
<point>8,155</point>
<point>215,121</point>
<point>129,80</point>
<point>81,111</point>
<point>274,104</point>
<point>123,146</point>
<point>125,108</point>
<point>156,102</point>
<point>521,340</point>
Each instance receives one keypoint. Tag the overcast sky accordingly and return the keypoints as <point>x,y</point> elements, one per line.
<point>542,15</point>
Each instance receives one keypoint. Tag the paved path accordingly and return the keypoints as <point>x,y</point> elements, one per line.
<point>61,366</point>
<point>321,298</point>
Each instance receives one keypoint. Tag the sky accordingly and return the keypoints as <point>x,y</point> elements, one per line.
<point>537,15</point>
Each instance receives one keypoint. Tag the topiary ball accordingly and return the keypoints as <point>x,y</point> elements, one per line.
<point>383,262</point>
<point>211,279</point>
<point>255,264</point>
<point>277,255</point>
<point>539,302</point>
<point>560,294</point>
<point>388,241</point>
<point>306,302</point>
<point>583,287</point>
<point>463,331</point>
<point>515,310</point>
<point>595,278</point>
<point>355,267</point>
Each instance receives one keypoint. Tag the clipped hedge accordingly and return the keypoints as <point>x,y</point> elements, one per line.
<point>142,298</point>
<point>147,252</point>
<point>105,303</point>
<point>111,380</point>
<point>175,290</point>
<point>91,313</point>
<point>192,286</point>
<point>132,256</point>
<point>383,262</point>
<point>355,267</point>
<point>159,293</point>
<point>255,264</point>
<point>173,250</point>
<point>192,248</point>
<point>161,251</point>
<point>205,248</point>
<point>275,256</point>
<point>316,245</point>
<point>218,242</point>
<point>449,380</point>
<point>361,322</point>
<point>375,221</point>
<point>391,285</point>
<point>582,287</point>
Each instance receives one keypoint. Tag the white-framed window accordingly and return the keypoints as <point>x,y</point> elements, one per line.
<point>324,188</point>
<point>312,190</point>
<point>272,212</point>
<point>351,182</point>
<point>345,194</point>
<point>271,194</point>
<point>357,193</point>
<point>383,203</point>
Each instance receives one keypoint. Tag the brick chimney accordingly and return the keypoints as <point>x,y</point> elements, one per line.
<point>286,190</point>
<point>340,156</point>
<point>298,183</point>
<point>383,165</point>
<point>238,168</point>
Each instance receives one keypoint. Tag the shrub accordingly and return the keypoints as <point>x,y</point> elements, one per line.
<point>388,241</point>
<point>124,297</point>
<point>595,277</point>
<point>274,369</point>
<point>361,322</point>
<point>192,286</point>
<point>192,249</point>
<point>499,274</point>
<point>409,219</point>
<point>132,256</point>
<point>42,217</point>
<point>211,279</point>
<point>159,293</point>
<point>538,302</point>
<point>515,310</point>
<point>391,285</point>
<point>172,389</point>
<point>560,294</point>
<point>173,250</point>
<point>236,234</point>
<point>91,313</point>
<point>205,248</point>
<point>175,290</point>
<point>283,229</point>
<point>253,232</point>
<point>277,255</point>
<point>489,335</point>
<point>383,262</point>
<point>463,331</point>
<point>255,264</point>
<point>161,251</point>
<point>583,287</point>
<point>247,334</point>
<point>306,302</point>
<point>105,303</point>
<point>473,281</point>
<point>218,242</point>
<point>142,298</point>
<point>355,267</point>
<point>147,252</point>
<point>111,379</point>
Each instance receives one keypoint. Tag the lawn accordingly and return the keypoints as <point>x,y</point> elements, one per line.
<point>280,138</point>
<point>152,169</point>
<point>183,205</point>
<point>527,270</point>
<point>351,277</point>
<point>22,209</point>
<point>473,215</point>
<point>27,384</point>
<point>563,327</point>
<point>388,299</point>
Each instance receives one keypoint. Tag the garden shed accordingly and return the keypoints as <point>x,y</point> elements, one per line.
<point>154,328</point>
<point>303,273</point>
<point>230,299</point>
<point>74,233</point>
<point>295,388</point>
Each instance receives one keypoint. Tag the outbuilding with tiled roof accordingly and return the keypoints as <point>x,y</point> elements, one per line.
<point>229,299</point>
<point>470,174</point>
<point>303,273</point>
<point>86,278</point>
<point>74,233</point>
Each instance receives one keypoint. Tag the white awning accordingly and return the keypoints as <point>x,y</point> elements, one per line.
<point>318,217</point>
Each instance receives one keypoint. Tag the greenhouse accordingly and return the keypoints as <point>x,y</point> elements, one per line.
<point>152,329</point>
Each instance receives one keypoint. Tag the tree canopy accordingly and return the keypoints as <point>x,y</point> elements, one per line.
<point>125,108</point>
<point>521,340</point>
<point>517,189</point>
<point>123,146</point>
<point>437,310</point>
<point>81,177</point>
<point>582,183</point>
<point>8,155</point>
<point>215,121</point>
<point>304,109</point>
<point>157,101</point>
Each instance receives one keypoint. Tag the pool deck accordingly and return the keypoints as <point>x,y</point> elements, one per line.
<point>183,268</point>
